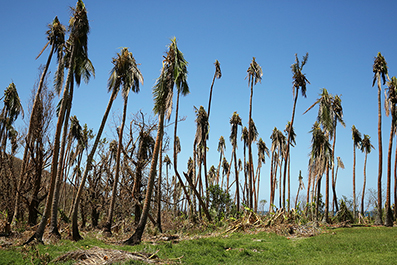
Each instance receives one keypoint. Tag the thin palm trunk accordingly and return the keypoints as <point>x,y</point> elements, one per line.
<point>334,198</point>
<point>251,167</point>
<point>75,230</point>
<point>389,214</point>
<point>54,166</point>
<point>108,226</point>
<point>354,181</point>
<point>236,172</point>
<point>326,195</point>
<point>54,215</point>
<point>158,191</point>
<point>378,220</point>
<point>365,180</point>
<point>289,133</point>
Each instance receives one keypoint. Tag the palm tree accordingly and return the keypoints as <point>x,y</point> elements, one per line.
<point>262,151</point>
<point>217,75</point>
<point>127,76</point>
<point>254,74</point>
<point>221,149</point>
<point>299,82</point>
<point>114,83</point>
<point>235,121</point>
<point>179,67</point>
<point>78,46</point>
<point>379,69</point>
<point>390,106</point>
<point>356,136</point>
<point>56,38</point>
<point>366,148</point>
<point>162,92</point>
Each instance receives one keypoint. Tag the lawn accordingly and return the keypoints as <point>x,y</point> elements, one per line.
<point>357,245</point>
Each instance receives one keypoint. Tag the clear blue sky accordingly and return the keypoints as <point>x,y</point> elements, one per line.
<point>341,37</point>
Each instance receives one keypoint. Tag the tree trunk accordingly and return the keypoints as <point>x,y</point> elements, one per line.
<point>326,220</point>
<point>365,180</point>
<point>54,216</point>
<point>250,170</point>
<point>75,230</point>
<point>236,172</point>
<point>378,219</point>
<point>108,226</point>
<point>54,166</point>
<point>389,213</point>
<point>289,134</point>
<point>158,222</point>
<point>354,181</point>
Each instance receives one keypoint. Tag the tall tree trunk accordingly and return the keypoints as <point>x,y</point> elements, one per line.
<point>334,198</point>
<point>326,220</point>
<point>389,213</point>
<point>54,215</point>
<point>289,133</point>
<point>54,166</point>
<point>29,135</point>
<point>251,167</point>
<point>395,185</point>
<point>365,180</point>
<point>75,230</point>
<point>378,219</point>
<point>158,222</point>
<point>236,173</point>
<point>108,226</point>
<point>354,181</point>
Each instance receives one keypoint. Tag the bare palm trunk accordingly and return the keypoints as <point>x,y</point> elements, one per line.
<point>378,219</point>
<point>389,213</point>
<point>236,172</point>
<point>289,133</point>
<point>108,226</point>
<point>54,166</point>
<point>251,167</point>
<point>75,230</point>
<point>158,191</point>
<point>326,220</point>
<point>365,180</point>
<point>354,181</point>
<point>54,215</point>
<point>334,198</point>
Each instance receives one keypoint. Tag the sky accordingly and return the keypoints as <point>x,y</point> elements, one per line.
<point>341,37</point>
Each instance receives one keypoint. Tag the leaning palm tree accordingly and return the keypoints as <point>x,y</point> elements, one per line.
<point>254,74</point>
<point>339,164</point>
<point>244,138</point>
<point>356,136</point>
<point>127,76</point>
<point>114,84</point>
<point>300,187</point>
<point>299,82</point>
<point>390,106</point>
<point>56,38</point>
<point>379,69</point>
<point>235,121</point>
<point>162,92</point>
<point>277,149</point>
<point>366,148</point>
<point>78,47</point>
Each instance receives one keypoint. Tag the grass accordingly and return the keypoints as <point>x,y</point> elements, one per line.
<point>358,245</point>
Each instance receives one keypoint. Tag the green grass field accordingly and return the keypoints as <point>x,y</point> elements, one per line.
<point>359,245</point>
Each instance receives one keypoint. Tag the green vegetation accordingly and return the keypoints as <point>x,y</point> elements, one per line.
<point>357,245</point>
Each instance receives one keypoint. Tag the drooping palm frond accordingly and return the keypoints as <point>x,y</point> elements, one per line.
<point>379,69</point>
<point>218,73</point>
<point>262,150</point>
<point>299,79</point>
<point>235,121</point>
<point>254,73</point>
<point>366,146</point>
<point>356,136</point>
<point>293,134</point>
